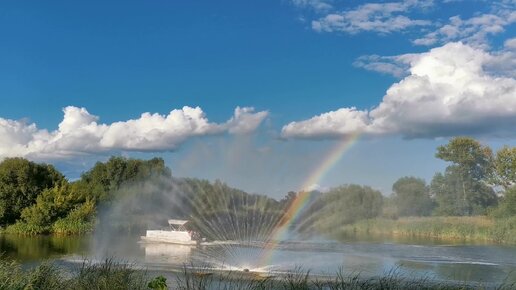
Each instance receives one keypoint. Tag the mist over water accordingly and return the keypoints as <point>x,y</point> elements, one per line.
<point>225,217</point>
<point>238,229</point>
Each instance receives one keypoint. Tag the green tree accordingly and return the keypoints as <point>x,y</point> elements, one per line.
<point>21,181</point>
<point>507,205</point>
<point>412,197</point>
<point>52,204</point>
<point>105,178</point>
<point>505,167</point>
<point>463,189</point>
<point>343,205</point>
<point>473,160</point>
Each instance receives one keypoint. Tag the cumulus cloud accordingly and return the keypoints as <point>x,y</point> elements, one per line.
<point>448,92</point>
<point>329,125</point>
<point>245,120</point>
<point>80,133</point>
<point>378,17</point>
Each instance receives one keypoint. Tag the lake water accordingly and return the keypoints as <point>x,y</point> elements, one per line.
<point>369,256</point>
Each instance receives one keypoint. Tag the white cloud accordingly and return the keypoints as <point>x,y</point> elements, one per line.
<point>473,31</point>
<point>504,63</point>
<point>317,5</point>
<point>394,65</point>
<point>245,120</point>
<point>79,132</point>
<point>448,92</point>
<point>510,44</point>
<point>377,17</point>
<point>329,125</point>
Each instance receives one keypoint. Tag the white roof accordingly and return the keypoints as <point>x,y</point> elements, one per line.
<point>177,222</point>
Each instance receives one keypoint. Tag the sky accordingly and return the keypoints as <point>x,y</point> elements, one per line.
<point>257,93</point>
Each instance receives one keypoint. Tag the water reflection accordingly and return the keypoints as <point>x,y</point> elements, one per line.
<point>35,248</point>
<point>480,263</point>
<point>167,253</point>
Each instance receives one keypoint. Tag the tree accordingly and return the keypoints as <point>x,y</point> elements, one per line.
<point>505,167</point>
<point>21,181</point>
<point>288,198</point>
<point>105,178</point>
<point>473,160</point>
<point>463,189</point>
<point>343,205</point>
<point>507,206</point>
<point>52,204</point>
<point>446,188</point>
<point>458,196</point>
<point>412,197</point>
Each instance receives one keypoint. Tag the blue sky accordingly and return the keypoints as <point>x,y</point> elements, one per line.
<point>313,71</point>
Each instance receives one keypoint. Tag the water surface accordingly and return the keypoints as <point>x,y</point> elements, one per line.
<point>369,256</point>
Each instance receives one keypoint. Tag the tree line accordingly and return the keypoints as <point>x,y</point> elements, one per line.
<point>127,195</point>
<point>133,194</point>
<point>477,181</point>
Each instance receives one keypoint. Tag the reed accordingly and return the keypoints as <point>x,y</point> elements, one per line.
<point>466,228</point>
<point>110,274</point>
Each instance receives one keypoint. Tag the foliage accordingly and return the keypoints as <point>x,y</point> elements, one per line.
<point>111,275</point>
<point>458,196</point>
<point>78,221</point>
<point>470,228</point>
<point>505,167</point>
<point>136,194</point>
<point>158,283</point>
<point>55,205</point>
<point>297,279</point>
<point>11,275</point>
<point>105,178</point>
<point>472,159</point>
<point>21,181</point>
<point>44,276</point>
<point>344,205</point>
<point>108,275</point>
<point>507,206</point>
<point>412,197</point>
<point>463,189</point>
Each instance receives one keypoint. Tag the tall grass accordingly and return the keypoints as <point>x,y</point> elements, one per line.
<point>114,275</point>
<point>474,228</point>
<point>108,275</point>
<point>301,280</point>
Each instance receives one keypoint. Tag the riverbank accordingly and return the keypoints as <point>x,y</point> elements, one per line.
<point>470,229</point>
<point>114,275</point>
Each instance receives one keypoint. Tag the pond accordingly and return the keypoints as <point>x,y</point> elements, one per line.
<point>367,256</point>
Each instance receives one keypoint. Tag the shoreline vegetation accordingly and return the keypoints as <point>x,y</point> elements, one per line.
<point>455,229</point>
<point>474,199</point>
<point>111,274</point>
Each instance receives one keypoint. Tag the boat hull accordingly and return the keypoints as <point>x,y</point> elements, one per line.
<point>172,237</point>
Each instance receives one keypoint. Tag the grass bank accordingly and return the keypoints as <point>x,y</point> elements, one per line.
<point>112,275</point>
<point>474,228</point>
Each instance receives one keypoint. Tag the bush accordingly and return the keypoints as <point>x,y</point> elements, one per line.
<point>158,283</point>
<point>78,221</point>
<point>27,229</point>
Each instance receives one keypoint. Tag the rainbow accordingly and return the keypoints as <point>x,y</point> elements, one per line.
<point>279,232</point>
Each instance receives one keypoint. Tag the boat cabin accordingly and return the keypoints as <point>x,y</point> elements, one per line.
<point>177,225</point>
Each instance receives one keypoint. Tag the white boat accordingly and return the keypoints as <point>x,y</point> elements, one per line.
<point>176,234</point>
